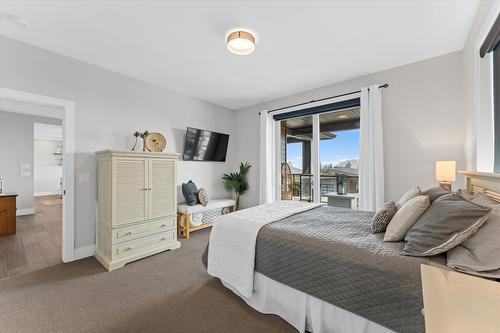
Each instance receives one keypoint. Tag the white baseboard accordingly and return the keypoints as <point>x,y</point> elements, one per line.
<point>84,252</point>
<point>41,194</point>
<point>25,211</point>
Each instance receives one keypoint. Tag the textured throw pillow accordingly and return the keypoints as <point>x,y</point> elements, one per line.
<point>449,221</point>
<point>480,254</point>
<point>410,194</point>
<point>190,192</point>
<point>405,218</point>
<point>203,196</point>
<point>435,192</point>
<point>383,216</point>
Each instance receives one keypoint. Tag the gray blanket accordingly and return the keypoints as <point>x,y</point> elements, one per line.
<point>330,253</point>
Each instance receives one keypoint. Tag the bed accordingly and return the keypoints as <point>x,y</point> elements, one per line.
<point>321,269</point>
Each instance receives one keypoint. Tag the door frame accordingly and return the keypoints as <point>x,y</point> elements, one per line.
<point>67,114</point>
<point>315,153</point>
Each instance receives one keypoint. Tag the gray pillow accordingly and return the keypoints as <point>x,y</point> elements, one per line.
<point>435,192</point>
<point>203,196</point>
<point>480,254</point>
<point>190,192</point>
<point>410,194</point>
<point>465,194</point>
<point>383,216</point>
<point>449,221</point>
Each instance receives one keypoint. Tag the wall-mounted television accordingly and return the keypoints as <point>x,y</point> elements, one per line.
<point>204,145</point>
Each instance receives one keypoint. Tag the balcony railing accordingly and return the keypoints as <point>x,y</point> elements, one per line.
<point>302,186</point>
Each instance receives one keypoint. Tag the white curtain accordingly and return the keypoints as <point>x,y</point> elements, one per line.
<point>266,158</point>
<point>371,150</point>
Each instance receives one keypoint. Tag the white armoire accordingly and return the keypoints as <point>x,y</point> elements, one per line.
<point>136,206</point>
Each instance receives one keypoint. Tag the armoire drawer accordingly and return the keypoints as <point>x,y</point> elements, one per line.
<point>142,244</point>
<point>143,229</point>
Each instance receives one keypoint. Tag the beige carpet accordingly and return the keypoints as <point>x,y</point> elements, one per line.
<point>168,292</point>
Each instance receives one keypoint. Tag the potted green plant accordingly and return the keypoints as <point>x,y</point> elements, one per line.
<point>237,182</point>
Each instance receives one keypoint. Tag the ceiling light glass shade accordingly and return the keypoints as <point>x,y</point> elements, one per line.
<point>240,42</point>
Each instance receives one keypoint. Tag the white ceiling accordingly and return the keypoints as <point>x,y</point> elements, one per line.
<point>301,45</point>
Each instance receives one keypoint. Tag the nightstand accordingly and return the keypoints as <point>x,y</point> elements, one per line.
<point>459,303</point>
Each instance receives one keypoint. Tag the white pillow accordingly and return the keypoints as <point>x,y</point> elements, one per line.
<point>405,218</point>
<point>410,194</point>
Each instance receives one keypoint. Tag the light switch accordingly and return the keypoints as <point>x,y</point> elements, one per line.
<point>84,178</point>
<point>24,170</point>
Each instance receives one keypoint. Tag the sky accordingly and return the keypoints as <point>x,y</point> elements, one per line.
<point>344,147</point>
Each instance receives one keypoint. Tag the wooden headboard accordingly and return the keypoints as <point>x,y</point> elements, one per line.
<point>483,182</point>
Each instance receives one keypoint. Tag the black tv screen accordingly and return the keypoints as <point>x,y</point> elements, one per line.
<point>204,145</point>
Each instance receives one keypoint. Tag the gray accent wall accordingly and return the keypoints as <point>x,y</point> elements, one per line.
<point>109,108</point>
<point>423,119</point>
<point>16,148</point>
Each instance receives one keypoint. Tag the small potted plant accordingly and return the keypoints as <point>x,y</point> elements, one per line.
<point>143,135</point>
<point>237,182</point>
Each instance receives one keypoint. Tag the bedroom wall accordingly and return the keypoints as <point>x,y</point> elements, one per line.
<point>16,148</point>
<point>109,108</point>
<point>423,119</point>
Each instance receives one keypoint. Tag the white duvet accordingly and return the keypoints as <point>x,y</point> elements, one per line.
<point>231,252</point>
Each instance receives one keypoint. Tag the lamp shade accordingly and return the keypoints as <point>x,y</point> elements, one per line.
<point>240,42</point>
<point>445,171</point>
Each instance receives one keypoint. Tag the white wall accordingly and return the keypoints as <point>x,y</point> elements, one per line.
<point>16,148</point>
<point>109,108</point>
<point>47,170</point>
<point>423,118</point>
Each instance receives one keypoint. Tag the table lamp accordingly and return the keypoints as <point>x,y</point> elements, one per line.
<point>445,173</point>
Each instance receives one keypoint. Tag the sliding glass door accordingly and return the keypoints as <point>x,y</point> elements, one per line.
<point>339,157</point>
<point>319,149</point>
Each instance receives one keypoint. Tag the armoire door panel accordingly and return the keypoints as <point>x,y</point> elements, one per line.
<point>162,187</point>
<point>131,190</point>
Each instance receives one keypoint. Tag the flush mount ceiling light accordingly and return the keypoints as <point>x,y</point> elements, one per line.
<point>240,42</point>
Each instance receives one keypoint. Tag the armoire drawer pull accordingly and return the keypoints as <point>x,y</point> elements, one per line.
<point>129,233</point>
<point>163,225</point>
<point>128,249</point>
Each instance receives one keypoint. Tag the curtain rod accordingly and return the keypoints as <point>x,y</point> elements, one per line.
<point>321,99</point>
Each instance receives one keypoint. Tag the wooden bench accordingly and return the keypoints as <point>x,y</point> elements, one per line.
<point>185,213</point>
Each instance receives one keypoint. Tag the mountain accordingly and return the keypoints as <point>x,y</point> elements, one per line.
<point>349,164</point>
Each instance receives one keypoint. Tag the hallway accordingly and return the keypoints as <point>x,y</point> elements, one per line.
<point>37,243</point>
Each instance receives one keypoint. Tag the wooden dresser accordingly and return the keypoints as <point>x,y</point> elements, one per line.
<point>137,206</point>
<point>7,214</point>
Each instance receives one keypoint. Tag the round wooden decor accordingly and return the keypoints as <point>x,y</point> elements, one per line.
<point>155,142</point>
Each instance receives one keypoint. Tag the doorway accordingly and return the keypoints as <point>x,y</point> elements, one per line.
<point>53,200</point>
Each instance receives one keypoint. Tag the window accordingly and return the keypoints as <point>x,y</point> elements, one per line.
<point>319,151</point>
<point>490,45</point>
